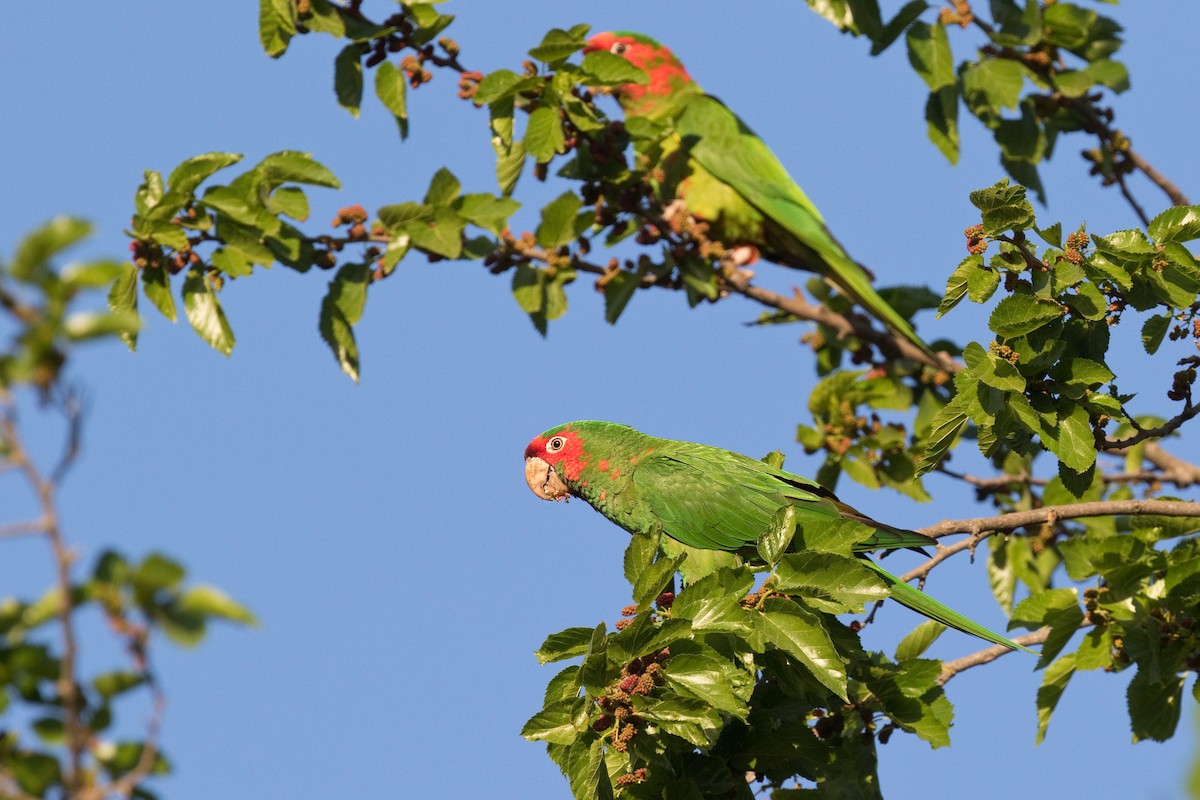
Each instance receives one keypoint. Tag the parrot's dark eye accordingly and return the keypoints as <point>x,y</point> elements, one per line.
<point>619,48</point>
<point>555,444</point>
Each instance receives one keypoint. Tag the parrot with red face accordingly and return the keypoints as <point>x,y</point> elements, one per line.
<point>725,175</point>
<point>708,498</point>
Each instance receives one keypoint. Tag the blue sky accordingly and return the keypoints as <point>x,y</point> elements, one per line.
<point>382,532</point>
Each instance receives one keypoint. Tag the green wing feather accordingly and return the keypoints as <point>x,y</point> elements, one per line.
<point>724,146</point>
<point>711,498</point>
<point>715,499</point>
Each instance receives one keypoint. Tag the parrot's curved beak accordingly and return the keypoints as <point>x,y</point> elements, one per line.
<point>544,481</point>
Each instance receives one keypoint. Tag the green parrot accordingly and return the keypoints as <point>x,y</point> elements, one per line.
<point>707,498</point>
<point>723,174</point>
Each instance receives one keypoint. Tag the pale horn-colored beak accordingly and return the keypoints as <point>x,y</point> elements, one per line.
<point>544,481</point>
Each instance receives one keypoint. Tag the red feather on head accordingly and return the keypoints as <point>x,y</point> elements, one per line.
<point>665,71</point>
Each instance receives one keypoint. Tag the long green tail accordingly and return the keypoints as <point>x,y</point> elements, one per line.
<point>924,604</point>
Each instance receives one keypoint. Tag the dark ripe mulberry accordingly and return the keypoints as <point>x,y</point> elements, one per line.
<point>629,683</point>
<point>665,600</point>
<point>602,724</point>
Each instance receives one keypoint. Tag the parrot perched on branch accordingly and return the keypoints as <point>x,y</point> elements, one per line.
<point>726,176</point>
<point>708,498</point>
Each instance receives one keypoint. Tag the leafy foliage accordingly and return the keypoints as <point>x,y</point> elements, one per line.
<point>723,682</point>
<point>1039,72</point>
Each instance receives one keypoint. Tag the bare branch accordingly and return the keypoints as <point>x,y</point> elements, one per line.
<point>1142,434</point>
<point>989,654</point>
<point>125,786</point>
<point>64,558</point>
<point>983,527</point>
<point>27,528</point>
<point>1172,469</point>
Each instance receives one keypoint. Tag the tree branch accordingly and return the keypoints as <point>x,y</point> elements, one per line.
<point>64,558</point>
<point>983,527</point>
<point>990,654</point>
<point>1171,469</point>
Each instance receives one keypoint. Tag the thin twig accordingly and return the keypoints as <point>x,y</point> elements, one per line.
<point>983,527</point>
<point>1142,434</point>
<point>68,690</point>
<point>30,527</point>
<point>990,654</point>
<point>125,786</point>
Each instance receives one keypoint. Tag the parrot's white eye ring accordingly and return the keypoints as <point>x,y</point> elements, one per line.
<point>619,48</point>
<point>555,444</point>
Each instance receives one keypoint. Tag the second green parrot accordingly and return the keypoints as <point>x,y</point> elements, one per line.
<point>708,498</point>
<point>725,175</point>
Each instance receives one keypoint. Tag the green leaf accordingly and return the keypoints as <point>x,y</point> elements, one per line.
<point>391,89</point>
<point>111,684</point>
<point>644,636</point>
<point>778,535</point>
<point>584,765</point>
<point>348,78</point>
<point>157,572</point>
<point>929,53</point>
<point>440,235</point>
<point>1176,224</point>
<point>1054,683</point>
<point>992,370</point>
<point>1077,83</point>
<point>689,719</point>
<point>443,188</point>
<point>919,639</point>
<point>156,284</point>
<point>1019,314</point>
<point>1076,444</point>
<point>828,581</point>
<point>192,172</point>
<point>341,309</point>
<point>593,672</point>
<point>276,25</point>
<point>555,723</point>
<point>897,25</point>
<point>294,166</point>
<point>715,682</point>
<point>802,634</point>
<point>558,45</point>
<point>654,580</point>
<point>566,643</point>
<point>1155,705</point>
<point>209,601</point>
<point>486,211</point>
<point>122,298</point>
<point>943,433</point>
<point>618,291</point>
<point>90,324</point>
<point>338,333</point>
<point>558,225</point>
<point>714,601</point>
<point>497,85</point>
<point>957,285</point>
<point>608,69</point>
<point>544,134</point>
<point>204,312</point>
<point>1033,611</point>
<point>36,248</point>
<point>941,121</point>
<point>289,201</point>
<point>992,84</point>
<point>1003,208</point>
